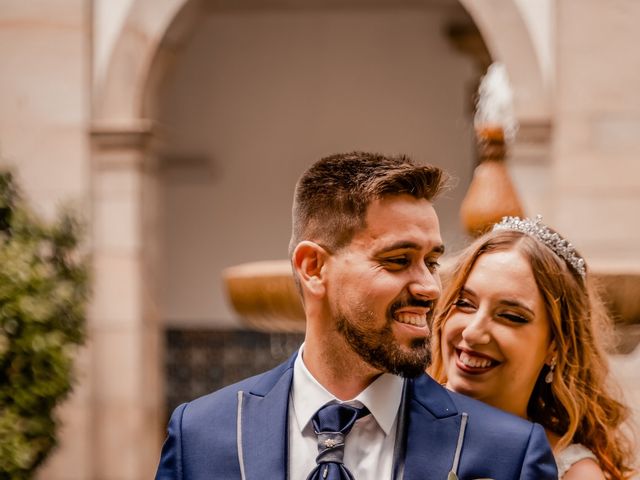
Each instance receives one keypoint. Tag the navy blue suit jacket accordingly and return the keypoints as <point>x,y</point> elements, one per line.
<point>240,432</point>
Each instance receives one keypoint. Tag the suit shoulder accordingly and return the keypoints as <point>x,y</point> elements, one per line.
<point>520,440</point>
<point>223,402</point>
<point>496,444</point>
<point>490,417</point>
<point>442,402</point>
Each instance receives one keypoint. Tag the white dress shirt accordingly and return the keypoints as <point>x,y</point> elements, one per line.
<point>368,447</point>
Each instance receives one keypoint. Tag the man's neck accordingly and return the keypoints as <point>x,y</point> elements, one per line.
<point>339,369</point>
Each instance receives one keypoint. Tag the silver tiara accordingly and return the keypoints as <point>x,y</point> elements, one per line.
<point>537,229</point>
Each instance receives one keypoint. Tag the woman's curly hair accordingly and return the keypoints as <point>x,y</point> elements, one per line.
<point>580,405</point>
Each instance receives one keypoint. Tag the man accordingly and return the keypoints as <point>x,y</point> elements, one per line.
<point>354,402</point>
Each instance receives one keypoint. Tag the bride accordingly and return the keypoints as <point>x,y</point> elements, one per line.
<point>521,328</point>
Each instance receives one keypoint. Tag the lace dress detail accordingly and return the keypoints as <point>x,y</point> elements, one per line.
<point>570,455</point>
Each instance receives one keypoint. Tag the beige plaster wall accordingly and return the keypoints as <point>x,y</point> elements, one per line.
<point>257,96</point>
<point>44,99</point>
<point>596,141</point>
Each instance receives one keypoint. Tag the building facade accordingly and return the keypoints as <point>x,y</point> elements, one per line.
<point>181,126</point>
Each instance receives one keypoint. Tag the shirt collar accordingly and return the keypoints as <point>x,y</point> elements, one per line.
<point>382,397</point>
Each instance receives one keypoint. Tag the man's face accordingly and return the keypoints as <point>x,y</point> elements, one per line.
<point>383,286</point>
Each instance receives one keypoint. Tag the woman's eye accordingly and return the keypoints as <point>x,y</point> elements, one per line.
<point>433,265</point>
<point>512,317</point>
<point>463,304</point>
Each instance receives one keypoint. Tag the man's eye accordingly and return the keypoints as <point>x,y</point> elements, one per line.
<point>397,261</point>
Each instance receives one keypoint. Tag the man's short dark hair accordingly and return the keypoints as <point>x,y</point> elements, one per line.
<point>332,196</point>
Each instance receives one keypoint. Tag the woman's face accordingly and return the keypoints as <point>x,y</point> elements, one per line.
<point>497,337</point>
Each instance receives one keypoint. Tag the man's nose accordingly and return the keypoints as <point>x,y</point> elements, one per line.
<point>477,330</point>
<point>426,285</point>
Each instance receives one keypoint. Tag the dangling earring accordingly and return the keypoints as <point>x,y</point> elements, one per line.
<point>549,377</point>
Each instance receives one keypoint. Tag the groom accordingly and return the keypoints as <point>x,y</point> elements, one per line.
<point>354,401</point>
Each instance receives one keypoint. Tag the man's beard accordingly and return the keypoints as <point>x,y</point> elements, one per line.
<point>380,349</point>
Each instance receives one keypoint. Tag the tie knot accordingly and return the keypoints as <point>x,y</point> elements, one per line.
<point>337,418</point>
<point>332,423</point>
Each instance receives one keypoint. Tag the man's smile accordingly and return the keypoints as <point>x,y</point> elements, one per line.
<point>412,318</point>
<point>413,312</point>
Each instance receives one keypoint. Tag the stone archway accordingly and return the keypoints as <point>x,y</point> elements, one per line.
<point>152,29</point>
<point>149,33</point>
<point>126,335</point>
<point>507,36</point>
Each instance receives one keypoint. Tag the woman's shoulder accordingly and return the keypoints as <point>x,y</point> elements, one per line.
<point>577,461</point>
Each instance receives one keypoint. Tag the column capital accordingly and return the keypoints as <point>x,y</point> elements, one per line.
<point>123,144</point>
<point>128,134</point>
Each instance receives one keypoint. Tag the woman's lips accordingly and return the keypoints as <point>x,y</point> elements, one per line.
<point>474,362</point>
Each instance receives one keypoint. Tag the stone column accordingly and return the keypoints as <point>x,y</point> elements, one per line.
<point>125,330</point>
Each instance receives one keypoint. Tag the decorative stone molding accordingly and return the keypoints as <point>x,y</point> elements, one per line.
<point>106,136</point>
<point>130,145</point>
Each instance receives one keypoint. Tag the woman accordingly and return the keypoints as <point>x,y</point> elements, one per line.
<point>520,327</point>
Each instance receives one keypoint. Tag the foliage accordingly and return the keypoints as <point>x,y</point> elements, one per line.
<point>43,295</point>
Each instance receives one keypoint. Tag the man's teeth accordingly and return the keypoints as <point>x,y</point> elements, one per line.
<point>474,362</point>
<point>412,319</point>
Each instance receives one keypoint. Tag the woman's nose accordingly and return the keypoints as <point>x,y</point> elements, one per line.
<point>476,332</point>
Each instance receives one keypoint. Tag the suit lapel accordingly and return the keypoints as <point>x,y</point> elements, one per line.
<point>263,425</point>
<point>432,431</point>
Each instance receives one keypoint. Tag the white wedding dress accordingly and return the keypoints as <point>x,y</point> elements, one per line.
<point>570,455</point>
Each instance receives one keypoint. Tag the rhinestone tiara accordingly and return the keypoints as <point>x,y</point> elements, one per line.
<point>536,229</point>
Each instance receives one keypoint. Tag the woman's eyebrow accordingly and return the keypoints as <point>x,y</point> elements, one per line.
<point>516,303</point>
<point>466,290</point>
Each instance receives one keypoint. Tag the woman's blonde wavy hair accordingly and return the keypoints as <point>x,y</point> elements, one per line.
<point>579,405</point>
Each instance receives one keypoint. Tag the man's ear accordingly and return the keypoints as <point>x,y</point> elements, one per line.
<point>309,258</point>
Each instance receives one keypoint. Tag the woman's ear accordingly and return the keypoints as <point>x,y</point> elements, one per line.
<point>308,261</point>
<point>552,354</point>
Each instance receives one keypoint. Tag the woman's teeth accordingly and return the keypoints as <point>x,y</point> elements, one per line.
<point>412,319</point>
<point>474,362</point>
